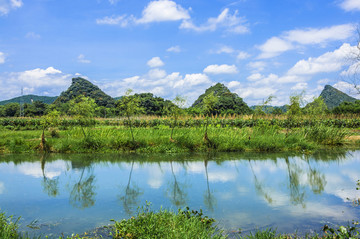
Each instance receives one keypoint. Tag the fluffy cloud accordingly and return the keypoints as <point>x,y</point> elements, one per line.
<point>221,69</point>
<point>162,84</point>
<point>328,62</point>
<point>274,47</point>
<point>175,49</point>
<point>310,36</point>
<point>81,58</point>
<point>49,81</point>
<point>299,86</point>
<point>350,5</point>
<point>122,21</point>
<point>230,22</point>
<point>155,11</point>
<point>242,55</point>
<point>163,10</point>
<point>155,62</point>
<point>320,36</point>
<point>257,65</point>
<point>224,49</point>
<point>7,5</point>
<point>2,58</point>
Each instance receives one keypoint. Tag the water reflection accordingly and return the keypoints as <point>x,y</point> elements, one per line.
<point>50,186</point>
<point>129,197</point>
<point>252,189</point>
<point>176,191</point>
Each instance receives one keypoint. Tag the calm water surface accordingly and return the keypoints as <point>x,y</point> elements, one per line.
<point>75,193</point>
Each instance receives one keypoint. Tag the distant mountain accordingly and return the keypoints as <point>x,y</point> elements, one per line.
<point>29,99</point>
<point>80,86</point>
<point>333,97</point>
<point>228,102</point>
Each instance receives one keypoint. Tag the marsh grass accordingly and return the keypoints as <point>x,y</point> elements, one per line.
<point>167,224</point>
<point>263,137</point>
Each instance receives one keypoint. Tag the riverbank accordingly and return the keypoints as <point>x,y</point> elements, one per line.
<point>106,139</point>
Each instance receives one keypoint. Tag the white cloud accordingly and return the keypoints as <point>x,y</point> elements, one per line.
<point>7,5</point>
<point>32,35</point>
<point>156,73</point>
<point>350,5</point>
<point>225,49</point>
<point>328,62</point>
<point>2,58</point>
<point>155,62</point>
<point>231,23</point>
<point>257,65</point>
<point>310,36</point>
<point>81,58</point>
<point>255,76</point>
<point>175,49</point>
<point>346,87</point>
<point>242,55</point>
<point>49,81</point>
<point>274,47</point>
<point>52,169</point>
<point>320,35</point>
<point>300,86</point>
<point>221,69</point>
<point>162,84</point>
<point>233,84</point>
<point>122,21</point>
<point>163,10</point>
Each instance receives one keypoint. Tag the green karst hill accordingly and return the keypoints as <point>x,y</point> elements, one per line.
<point>80,86</point>
<point>333,97</point>
<point>29,99</point>
<point>228,102</point>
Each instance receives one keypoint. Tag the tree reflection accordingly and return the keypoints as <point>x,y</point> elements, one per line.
<point>259,188</point>
<point>50,186</point>
<point>316,179</point>
<point>83,193</point>
<point>209,199</point>
<point>176,193</point>
<point>131,194</point>
<point>297,192</point>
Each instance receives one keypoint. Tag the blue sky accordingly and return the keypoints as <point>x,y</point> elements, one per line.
<point>257,48</point>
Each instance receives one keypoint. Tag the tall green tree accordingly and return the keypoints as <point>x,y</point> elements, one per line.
<point>83,109</point>
<point>176,110</point>
<point>209,103</point>
<point>129,105</point>
<point>295,105</point>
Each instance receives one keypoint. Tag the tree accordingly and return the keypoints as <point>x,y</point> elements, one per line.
<point>295,105</point>
<point>176,110</point>
<point>209,103</point>
<point>317,107</point>
<point>262,109</point>
<point>353,72</point>
<point>83,109</point>
<point>129,105</point>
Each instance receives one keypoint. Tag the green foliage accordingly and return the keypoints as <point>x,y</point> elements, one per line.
<point>295,105</point>
<point>82,107</point>
<point>166,224</point>
<point>326,135</point>
<point>228,103</point>
<point>333,97</point>
<point>8,227</point>
<point>349,231</point>
<point>316,108</point>
<point>264,107</point>
<point>348,108</point>
<point>30,99</point>
<point>85,88</point>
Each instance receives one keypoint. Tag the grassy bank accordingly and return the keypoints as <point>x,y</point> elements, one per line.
<point>168,224</point>
<point>261,138</point>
